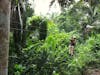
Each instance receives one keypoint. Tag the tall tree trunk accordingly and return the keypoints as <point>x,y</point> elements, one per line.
<point>4,35</point>
<point>17,33</point>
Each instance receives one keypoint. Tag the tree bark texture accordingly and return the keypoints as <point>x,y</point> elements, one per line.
<point>4,35</point>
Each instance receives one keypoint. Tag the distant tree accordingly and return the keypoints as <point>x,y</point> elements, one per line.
<point>63,3</point>
<point>18,23</point>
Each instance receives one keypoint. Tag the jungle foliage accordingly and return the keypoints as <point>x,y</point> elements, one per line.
<point>46,50</point>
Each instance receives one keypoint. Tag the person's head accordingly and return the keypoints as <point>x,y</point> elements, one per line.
<point>73,37</point>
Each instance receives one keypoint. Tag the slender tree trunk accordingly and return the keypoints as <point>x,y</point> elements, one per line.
<point>4,35</point>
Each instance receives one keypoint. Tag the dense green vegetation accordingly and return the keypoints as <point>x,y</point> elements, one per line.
<point>46,49</point>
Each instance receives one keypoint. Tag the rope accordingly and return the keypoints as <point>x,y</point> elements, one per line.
<point>27,30</point>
